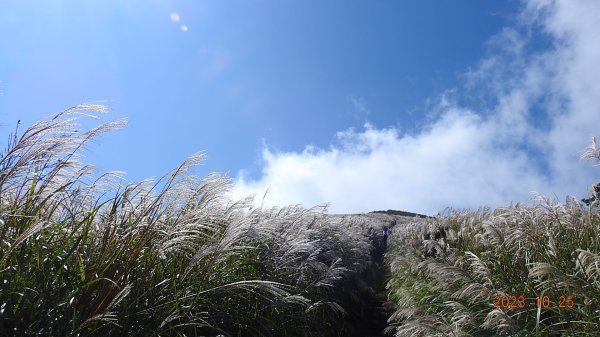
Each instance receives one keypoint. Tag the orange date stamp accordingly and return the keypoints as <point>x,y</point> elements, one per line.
<point>521,302</point>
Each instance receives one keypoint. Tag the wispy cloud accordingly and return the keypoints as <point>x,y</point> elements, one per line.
<point>360,106</point>
<point>541,109</point>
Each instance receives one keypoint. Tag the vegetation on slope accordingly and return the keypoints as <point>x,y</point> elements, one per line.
<point>87,256</point>
<point>518,270</point>
<point>82,255</point>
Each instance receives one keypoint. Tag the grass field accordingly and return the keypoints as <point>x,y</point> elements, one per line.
<point>514,271</point>
<point>93,255</point>
<point>82,255</point>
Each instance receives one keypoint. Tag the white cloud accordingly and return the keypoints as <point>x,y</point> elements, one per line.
<point>469,156</point>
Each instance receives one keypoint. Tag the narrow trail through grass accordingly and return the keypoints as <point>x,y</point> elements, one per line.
<point>377,309</point>
<point>373,316</point>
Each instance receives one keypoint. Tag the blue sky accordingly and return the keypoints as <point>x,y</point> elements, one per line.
<point>413,105</point>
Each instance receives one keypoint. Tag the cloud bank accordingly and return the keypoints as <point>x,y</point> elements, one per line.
<point>518,126</point>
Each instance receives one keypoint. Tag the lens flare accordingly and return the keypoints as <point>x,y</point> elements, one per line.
<point>175,17</point>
